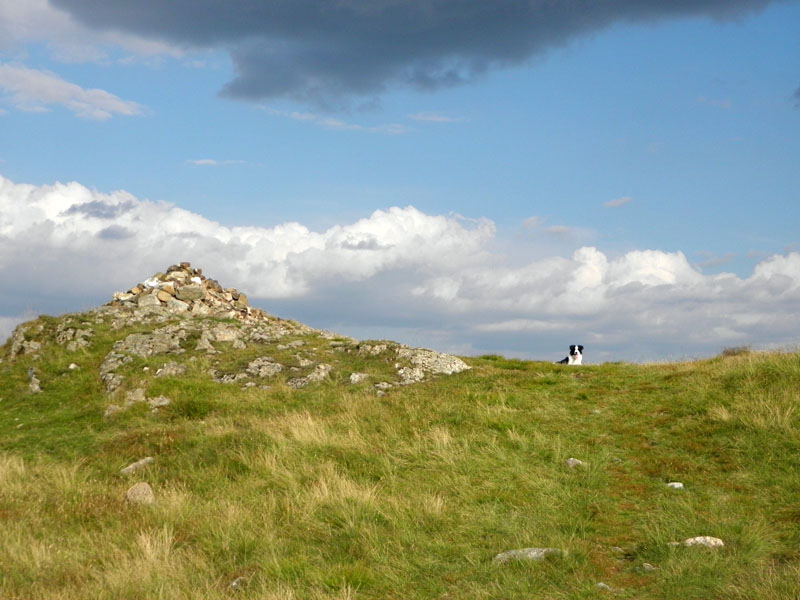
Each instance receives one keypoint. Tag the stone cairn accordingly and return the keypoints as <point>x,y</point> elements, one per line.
<point>183,289</point>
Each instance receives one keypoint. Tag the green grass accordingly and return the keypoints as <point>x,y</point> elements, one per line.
<point>331,491</point>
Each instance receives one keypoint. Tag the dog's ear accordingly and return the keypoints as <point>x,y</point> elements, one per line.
<point>580,348</point>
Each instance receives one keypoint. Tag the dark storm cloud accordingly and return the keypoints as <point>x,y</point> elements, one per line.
<point>327,51</point>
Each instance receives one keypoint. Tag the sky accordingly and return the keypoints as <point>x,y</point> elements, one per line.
<point>476,177</point>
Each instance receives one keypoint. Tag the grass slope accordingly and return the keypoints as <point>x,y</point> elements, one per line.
<point>333,492</point>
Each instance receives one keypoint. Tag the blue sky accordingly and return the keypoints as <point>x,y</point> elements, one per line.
<point>508,146</point>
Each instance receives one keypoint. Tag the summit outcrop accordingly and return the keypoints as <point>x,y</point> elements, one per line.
<point>180,323</point>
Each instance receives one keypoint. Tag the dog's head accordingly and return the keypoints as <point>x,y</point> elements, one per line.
<point>576,350</point>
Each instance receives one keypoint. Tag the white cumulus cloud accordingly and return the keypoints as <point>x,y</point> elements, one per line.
<point>399,272</point>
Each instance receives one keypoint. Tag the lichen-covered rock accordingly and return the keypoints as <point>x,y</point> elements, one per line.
<point>319,373</point>
<point>141,493</point>
<point>431,361</point>
<point>409,375</point>
<point>190,292</point>
<point>164,340</point>
<point>358,377</point>
<point>171,369</point>
<point>264,366</point>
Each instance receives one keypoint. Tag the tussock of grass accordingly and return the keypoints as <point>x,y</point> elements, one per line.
<point>333,492</point>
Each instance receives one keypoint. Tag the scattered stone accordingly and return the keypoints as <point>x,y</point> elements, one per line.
<point>574,462</point>
<point>357,377</point>
<point>145,300</point>
<point>238,583</point>
<point>603,586</point>
<point>190,292</point>
<point>433,362</point>
<point>141,493</point>
<point>648,568</point>
<point>409,375</point>
<point>162,341</point>
<point>33,382</point>
<point>675,485</point>
<point>31,347</point>
<point>73,366</point>
<point>177,306</point>
<point>158,402</point>
<point>171,369</point>
<point>264,366</point>
<point>205,344</point>
<point>134,396</point>
<point>112,409</point>
<point>372,350</point>
<point>224,333</point>
<point>704,540</point>
<point>303,362</point>
<point>528,554</point>
<point>320,372</point>
<point>230,377</point>
<point>136,466</point>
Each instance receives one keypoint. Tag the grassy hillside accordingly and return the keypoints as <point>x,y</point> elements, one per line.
<point>335,491</point>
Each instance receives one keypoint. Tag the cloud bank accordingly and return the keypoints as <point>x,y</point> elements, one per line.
<point>326,52</point>
<point>399,273</point>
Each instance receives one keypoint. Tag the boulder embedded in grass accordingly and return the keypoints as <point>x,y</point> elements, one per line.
<point>141,493</point>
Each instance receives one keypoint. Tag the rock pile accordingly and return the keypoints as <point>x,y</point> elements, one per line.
<point>184,289</point>
<point>191,320</point>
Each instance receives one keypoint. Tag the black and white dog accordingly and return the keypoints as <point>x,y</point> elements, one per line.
<point>575,356</point>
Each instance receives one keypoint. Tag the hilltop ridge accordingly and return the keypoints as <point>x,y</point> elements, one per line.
<point>179,316</point>
<point>147,453</point>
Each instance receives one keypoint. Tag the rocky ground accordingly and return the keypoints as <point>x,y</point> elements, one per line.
<point>183,315</point>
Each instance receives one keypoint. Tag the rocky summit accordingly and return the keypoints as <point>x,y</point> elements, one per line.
<point>180,322</point>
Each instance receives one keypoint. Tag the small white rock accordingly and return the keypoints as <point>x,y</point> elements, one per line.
<point>528,554</point>
<point>704,540</point>
<point>603,586</point>
<point>357,377</point>
<point>675,485</point>
<point>238,583</point>
<point>574,462</point>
